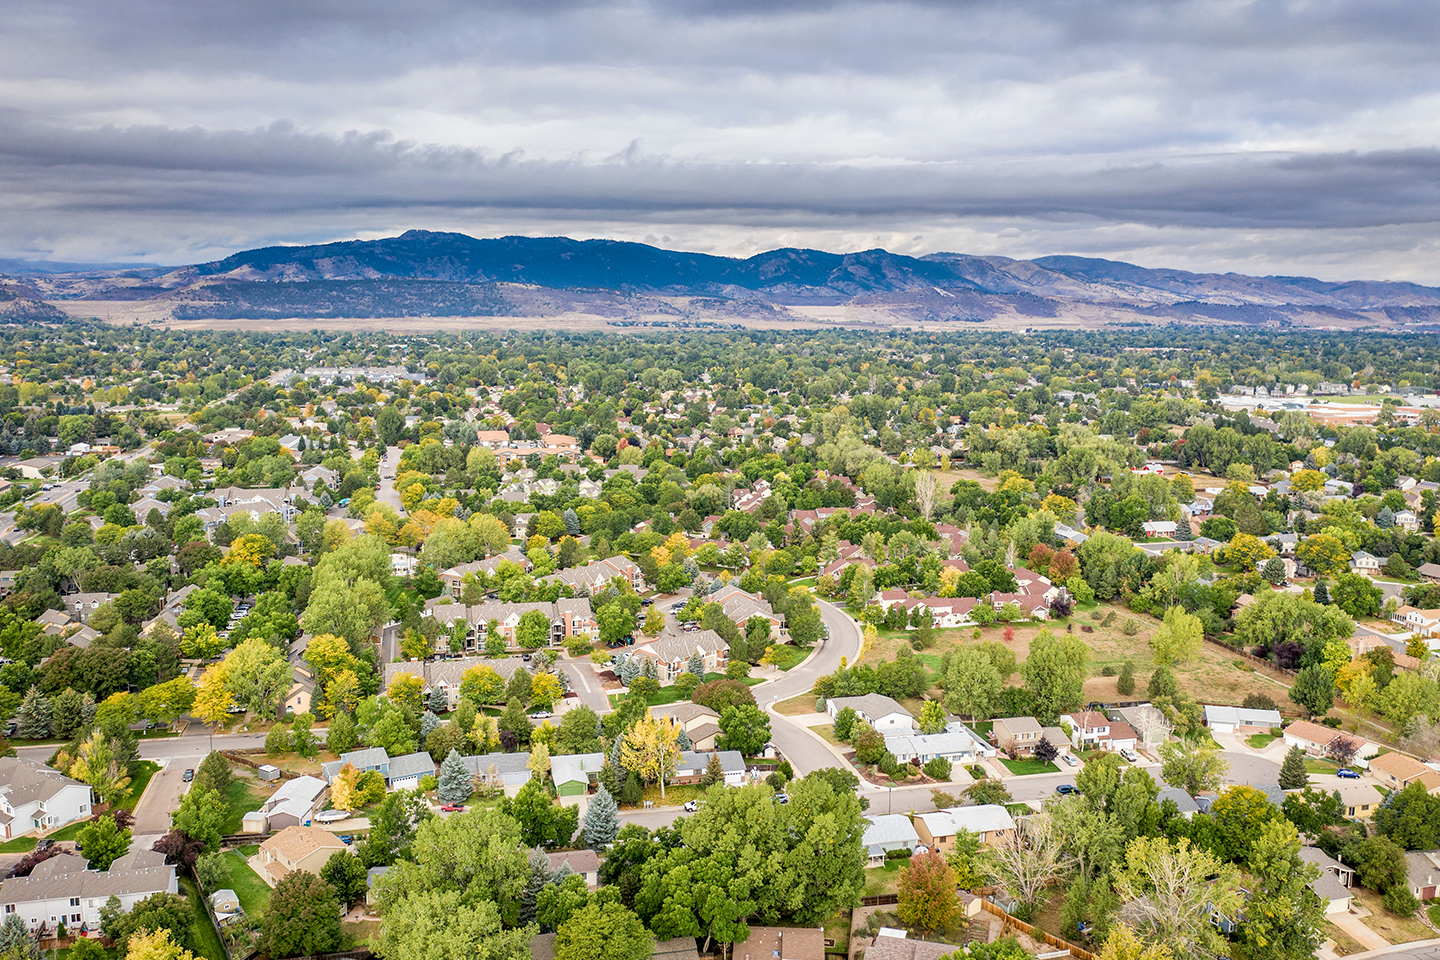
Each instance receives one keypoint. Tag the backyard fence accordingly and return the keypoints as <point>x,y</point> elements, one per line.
<point>1079,953</point>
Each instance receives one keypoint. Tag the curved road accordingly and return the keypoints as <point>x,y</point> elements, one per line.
<point>805,751</point>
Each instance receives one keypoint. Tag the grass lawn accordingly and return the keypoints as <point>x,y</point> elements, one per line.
<point>828,732</point>
<point>240,799</point>
<point>884,879</point>
<point>362,930</point>
<point>1344,943</point>
<point>1260,741</point>
<point>207,941</point>
<point>18,845</point>
<point>111,952</point>
<point>796,706</point>
<point>1023,767</point>
<point>1313,765</point>
<point>837,932</point>
<point>1434,913</point>
<point>1382,921</point>
<point>140,773</point>
<point>71,832</point>
<point>790,655</point>
<point>982,727</point>
<point>676,794</point>
<point>253,893</point>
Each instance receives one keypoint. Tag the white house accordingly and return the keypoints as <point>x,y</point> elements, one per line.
<point>887,832</point>
<point>61,890</point>
<point>957,747</point>
<point>1239,720</point>
<point>35,797</point>
<point>879,711</point>
<point>1364,562</point>
<point>292,805</point>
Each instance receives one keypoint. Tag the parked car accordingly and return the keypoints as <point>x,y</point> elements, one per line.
<point>1065,789</point>
<point>1347,774</point>
<point>692,805</point>
<point>647,601</point>
<point>782,798</point>
<point>1130,755</point>
<point>540,715</point>
<point>453,808</point>
<point>188,775</point>
<point>1070,759</point>
<point>347,838</point>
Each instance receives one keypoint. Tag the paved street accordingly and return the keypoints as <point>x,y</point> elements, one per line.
<point>806,751</point>
<point>162,795</point>
<point>387,492</point>
<point>584,682</point>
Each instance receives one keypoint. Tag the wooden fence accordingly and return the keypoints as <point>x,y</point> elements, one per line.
<point>244,758</point>
<point>1079,953</point>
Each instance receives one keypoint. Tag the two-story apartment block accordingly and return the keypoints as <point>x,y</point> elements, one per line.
<point>591,579</point>
<point>672,652</point>
<point>449,674</point>
<point>569,617</point>
<point>453,578</point>
<point>62,890</point>
<point>35,797</point>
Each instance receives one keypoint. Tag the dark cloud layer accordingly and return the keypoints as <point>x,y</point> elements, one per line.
<point>1263,137</point>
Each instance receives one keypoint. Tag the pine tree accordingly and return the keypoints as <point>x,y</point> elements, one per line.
<point>714,772</point>
<point>684,740</point>
<point>1293,775</point>
<point>629,670</point>
<point>437,702</point>
<point>428,723</point>
<point>697,665</point>
<point>616,749</point>
<point>572,522</point>
<point>1322,592</point>
<point>649,669</point>
<point>540,875</point>
<point>32,722</point>
<point>455,783</point>
<point>602,820</point>
<point>65,714</point>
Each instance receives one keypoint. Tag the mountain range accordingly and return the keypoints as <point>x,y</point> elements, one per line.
<point>428,274</point>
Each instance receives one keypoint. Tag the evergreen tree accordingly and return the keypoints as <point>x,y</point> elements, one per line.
<point>684,740</point>
<point>1322,592</point>
<point>629,670</point>
<point>16,941</point>
<point>65,714</point>
<point>428,723</point>
<point>602,820</point>
<point>1125,684</point>
<point>437,702</point>
<point>1292,772</point>
<point>572,522</point>
<point>540,876</point>
<point>696,665</point>
<point>649,669</point>
<point>32,722</point>
<point>455,783</point>
<point>213,773</point>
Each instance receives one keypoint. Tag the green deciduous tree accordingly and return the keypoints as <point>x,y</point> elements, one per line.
<point>302,919</point>
<point>1055,673</point>
<point>1192,766</point>
<point>927,892</point>
<point>603,932</point>
<point>1178,639</point>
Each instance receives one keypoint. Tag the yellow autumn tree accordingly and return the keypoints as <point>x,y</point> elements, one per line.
<point>156,945</point>
<point>344,791</point>
<point>545,691</point>
<point>252,550</point>
<point>405,689</point>
<point>214,698</point>
<point>652,750</point>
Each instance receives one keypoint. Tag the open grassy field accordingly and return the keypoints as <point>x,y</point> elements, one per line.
<point>1382,921</point>
<point>253,893</point>
<point>241,796</point>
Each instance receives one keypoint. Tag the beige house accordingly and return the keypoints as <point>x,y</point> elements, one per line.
<point>700,723</point>
<point>1396,771</point>
<point>1360,798</point>
<point>294,848</point>
<point>782,943</point>
<point>1023,732</point>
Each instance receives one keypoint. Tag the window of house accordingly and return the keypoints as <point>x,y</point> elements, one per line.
<point>74,901</point>
<point>9,908</point>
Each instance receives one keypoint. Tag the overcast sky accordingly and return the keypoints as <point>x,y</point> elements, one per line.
<point>1266,137</point>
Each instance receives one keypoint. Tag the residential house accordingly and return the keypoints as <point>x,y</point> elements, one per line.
<point>35,797</point>
<point>1420,623</point>
<point>301,695</point>
<point>1429,571</point>
<point>1395,771</point>
<point>405,772</point>
<point>693,764</point>
<point>1159,528</point>
<point>879,711</point>
<point>990,822</point>
<point>1183,801</point>
<point>508,771</point>
<point>63,890</point>
<point>885,833</point>
<point>1240,721</point>
<point>892,944</point>
<point>1363,562</point>
<point>294,848</point>
<point>672,652</point>
<point>1359,797</point>
<point>292,805</point>
<point>920,748</point>
<point>1333,895</point>
<point>1310,737</point>
<point>1089,729</point>
<point>1150,726</point>
<point>1423,871</point>
<point>573,774</point>
<point>700,723</point>
<point>453,578</point>
<point>781,943</point>
<point>370,758</point>
<point>83,605</point>
<point>583,862</point>
<point>1020,734</point>
<point>1328,864</point>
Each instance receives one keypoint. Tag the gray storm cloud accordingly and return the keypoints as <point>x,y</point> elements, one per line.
<point>1262,137</point>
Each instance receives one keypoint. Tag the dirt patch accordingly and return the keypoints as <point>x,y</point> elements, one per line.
<point>796,706</point>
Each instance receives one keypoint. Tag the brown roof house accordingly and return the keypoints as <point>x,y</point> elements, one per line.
<point>700,723</point>
<point>1397,771</point>
<point>1020,733</point>
<point>782,943</point>
<point>294,848</point>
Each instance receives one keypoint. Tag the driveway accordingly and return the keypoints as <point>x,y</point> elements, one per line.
<point>386,493</point>
<point>584,682</point>
<point>162,795</point>
<point>1356,928</point>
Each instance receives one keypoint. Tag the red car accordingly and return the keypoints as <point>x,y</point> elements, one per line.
<point>453,808</point>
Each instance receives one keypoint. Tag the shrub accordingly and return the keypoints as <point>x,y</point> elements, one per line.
<point>901,854</point>
<point>889,765</point>
<point>938,769</point>
<point>1258,701</point>
<point>1126,683</point>
<point>870,746</point>
<point>1400,901</point>
<point>775,781</point>
<point>1131,627</point>
<point>429,782</point>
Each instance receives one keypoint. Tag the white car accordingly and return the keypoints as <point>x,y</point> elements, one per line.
<point>1070,759</point>
<point>540,715</point>
<point>1130,755</point>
